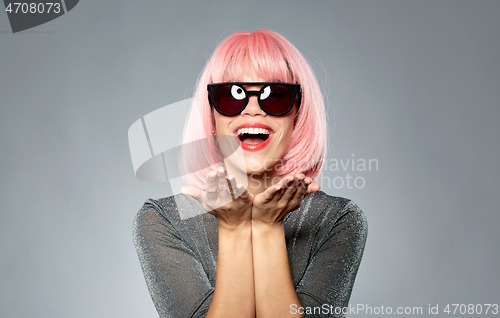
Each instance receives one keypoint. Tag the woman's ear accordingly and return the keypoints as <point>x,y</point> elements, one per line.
<point>214,127</point>
<point>209,100</point>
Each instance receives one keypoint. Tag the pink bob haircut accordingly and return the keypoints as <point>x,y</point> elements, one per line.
<point>275,60</point>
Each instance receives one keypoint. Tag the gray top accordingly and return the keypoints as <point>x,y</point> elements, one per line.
<point>325,239</point>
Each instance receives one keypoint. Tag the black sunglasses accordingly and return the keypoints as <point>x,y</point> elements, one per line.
<point>276,99</point>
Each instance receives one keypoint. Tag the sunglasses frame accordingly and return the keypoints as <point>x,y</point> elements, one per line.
<point>294,90</point>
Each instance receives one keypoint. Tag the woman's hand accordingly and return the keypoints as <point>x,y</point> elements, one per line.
<point>274,288</point>
<point>271,206</point>
<point>231,204</point>
<point>228,201</point>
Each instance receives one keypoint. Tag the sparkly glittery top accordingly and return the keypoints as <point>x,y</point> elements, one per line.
<point>325,239</point>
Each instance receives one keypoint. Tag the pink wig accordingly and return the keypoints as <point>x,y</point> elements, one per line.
<point>275,60</point>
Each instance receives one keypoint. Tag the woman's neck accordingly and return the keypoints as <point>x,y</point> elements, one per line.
<point>259,182</point>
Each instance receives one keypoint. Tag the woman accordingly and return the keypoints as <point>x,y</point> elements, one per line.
<point>278,247</point>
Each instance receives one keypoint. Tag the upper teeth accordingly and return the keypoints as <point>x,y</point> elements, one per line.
<point>252,131</point>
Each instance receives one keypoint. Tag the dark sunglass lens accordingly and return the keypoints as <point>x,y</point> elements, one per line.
<point>230,99</point>
<point>276,99</point>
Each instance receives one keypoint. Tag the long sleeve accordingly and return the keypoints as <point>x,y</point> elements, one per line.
<point>334,238</point>
<point>176,279</point>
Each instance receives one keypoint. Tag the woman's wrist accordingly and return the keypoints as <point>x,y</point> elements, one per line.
<point>233,228</point>
<point>235,219</point>
<point>268,229</point>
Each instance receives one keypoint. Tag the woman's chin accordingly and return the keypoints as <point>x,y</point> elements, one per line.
<point>253,167</point>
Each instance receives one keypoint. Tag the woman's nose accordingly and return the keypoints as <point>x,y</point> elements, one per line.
<point>253,108</point>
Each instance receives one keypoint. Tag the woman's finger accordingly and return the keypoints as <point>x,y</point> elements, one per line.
<point>243,193</point>
<point>199,195</point>
<point>301,189</point>
<point>231,181</point>
<point>222,186</point>
<point>211,186</point>
<point>271,193</point>
<point>290,186</point>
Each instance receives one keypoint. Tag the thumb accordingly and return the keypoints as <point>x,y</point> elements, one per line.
<point>313,187</point>
<point>193,192</point>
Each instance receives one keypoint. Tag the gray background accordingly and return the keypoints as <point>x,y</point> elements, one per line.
<point>414,84</point>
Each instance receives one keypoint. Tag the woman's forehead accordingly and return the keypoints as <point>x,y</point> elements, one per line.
<point>242,73</point>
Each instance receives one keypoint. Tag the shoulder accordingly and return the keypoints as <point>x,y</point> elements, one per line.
<point>148,222</point>
<point>348,220</point>
<point>150,214</point>
<point>343,208</point>
<point>321,212</point>
<point>173,209</point>
<point>320,204</point>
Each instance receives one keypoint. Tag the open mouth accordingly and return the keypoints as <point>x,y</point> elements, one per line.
<point>252,136</point>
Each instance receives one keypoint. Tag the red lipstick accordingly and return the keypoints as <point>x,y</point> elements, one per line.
<point>258,146</point>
